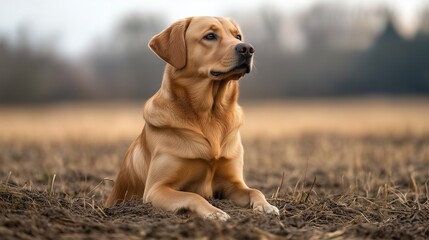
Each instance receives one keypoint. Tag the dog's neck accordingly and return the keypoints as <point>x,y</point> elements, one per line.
<point>203,95</point>
<point>203,106</point>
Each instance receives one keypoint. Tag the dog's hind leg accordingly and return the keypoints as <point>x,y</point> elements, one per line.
<point>130,182</point>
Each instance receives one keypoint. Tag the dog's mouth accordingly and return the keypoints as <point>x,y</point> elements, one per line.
<point>237,71</point>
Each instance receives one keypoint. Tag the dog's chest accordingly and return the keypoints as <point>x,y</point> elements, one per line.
<point>218,135</point>
<point>214,135</point>
<point>207,136</point>
<point>209,148</point>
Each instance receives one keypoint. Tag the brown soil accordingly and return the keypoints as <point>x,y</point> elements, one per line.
<point>334,187</point>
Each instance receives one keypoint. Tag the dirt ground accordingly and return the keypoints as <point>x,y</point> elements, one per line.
<point>326,184</point>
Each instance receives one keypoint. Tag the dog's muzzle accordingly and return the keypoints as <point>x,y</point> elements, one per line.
<point>244,63</point>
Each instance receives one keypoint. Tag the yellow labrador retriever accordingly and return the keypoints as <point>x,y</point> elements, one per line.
<point>190,147</point>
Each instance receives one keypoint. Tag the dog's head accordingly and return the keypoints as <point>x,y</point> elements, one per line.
<point>208,47</point>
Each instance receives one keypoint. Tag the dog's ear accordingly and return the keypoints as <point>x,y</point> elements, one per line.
<point>170,44</point>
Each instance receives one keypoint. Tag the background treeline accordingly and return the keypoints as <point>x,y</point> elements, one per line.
<point>330,50</point>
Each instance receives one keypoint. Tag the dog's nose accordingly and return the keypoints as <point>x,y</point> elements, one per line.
<point>245,49</point>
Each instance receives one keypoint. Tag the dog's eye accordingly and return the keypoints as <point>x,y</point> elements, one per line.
<point>238,37</point>
<point>210,37</point>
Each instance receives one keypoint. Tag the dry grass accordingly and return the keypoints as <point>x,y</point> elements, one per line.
<point>335,170</point>
<point>352,117</point>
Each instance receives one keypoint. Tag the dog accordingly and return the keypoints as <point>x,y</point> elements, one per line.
<point>190,147</point>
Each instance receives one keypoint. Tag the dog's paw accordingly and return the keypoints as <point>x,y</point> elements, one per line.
<point>266,208</point>
<point>218,215</point>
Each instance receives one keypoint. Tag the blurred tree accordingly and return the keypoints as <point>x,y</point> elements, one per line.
<point>393,65</point>
<point>32,72</point>
<point>346,51</point>
<point>424,24</point>
<point>125,66</point>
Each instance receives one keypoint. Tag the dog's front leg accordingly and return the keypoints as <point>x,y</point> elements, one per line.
<point>166,175</point>
<point>244,196</point>
<point>229,182</point>
<point>167,198</point>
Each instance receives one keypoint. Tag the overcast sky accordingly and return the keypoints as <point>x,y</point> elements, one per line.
<point>78,22</point>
